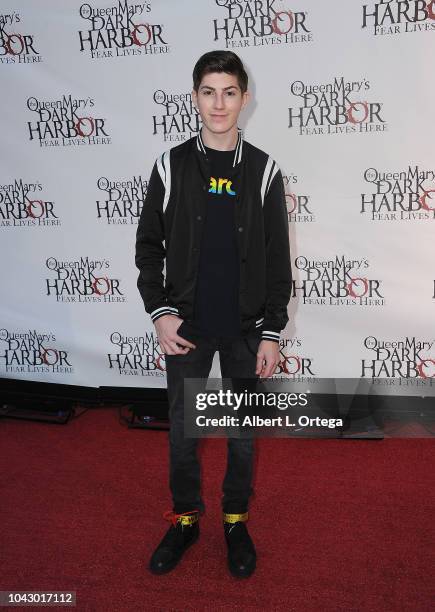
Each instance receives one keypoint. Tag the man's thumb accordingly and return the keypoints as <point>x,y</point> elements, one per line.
<point>259,366</point>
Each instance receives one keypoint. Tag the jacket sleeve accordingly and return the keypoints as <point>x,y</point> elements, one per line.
<point>150,250</point>
<point>278,264</point>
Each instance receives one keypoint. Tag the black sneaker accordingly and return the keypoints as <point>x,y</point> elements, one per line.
<point>242,556</point>
<point>183,532</point>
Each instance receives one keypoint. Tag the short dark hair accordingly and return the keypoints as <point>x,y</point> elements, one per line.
<point>220,61</point>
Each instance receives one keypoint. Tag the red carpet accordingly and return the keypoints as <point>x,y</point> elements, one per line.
<point>338,525</point>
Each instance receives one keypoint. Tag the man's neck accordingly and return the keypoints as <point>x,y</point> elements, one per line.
<point>221,142</point>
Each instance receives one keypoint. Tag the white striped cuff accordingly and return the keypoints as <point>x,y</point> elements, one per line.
<point>163,310</point>
<point>270,335</point>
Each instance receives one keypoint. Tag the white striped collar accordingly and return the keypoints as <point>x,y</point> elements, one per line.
<point>237,152</point>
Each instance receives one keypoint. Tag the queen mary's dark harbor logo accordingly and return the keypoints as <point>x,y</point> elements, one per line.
<point>134,356</point>
<point>176,117</point>
<point>338,281</point>
<point>401,195</point>
<point>66,122</point>
<point>260,23</point>
<point>17,44</point>
<point>299,205</point>
<point>411,360</point>
<point>33,351</point>
<point>121,200</point>
<point>338,107</point>
<point>392,17</point>
<point>123,29</point>
<point>82,280</point>
<point>294,362</point>
<point>23,205</point>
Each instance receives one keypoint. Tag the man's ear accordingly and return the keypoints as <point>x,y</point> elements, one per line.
<point>194,98</point>
<point>246,97</point>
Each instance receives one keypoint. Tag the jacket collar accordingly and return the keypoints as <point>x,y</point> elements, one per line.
<point>238,150</point>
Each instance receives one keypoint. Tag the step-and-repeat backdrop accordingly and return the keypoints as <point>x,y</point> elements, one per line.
<point>342,98</point>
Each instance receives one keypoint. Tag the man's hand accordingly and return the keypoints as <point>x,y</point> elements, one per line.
<point>166,328</point>
<point>267,358</point>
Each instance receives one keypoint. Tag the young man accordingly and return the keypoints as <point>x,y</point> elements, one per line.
<point>215,214</point>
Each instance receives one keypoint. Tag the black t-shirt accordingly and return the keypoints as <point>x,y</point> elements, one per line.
<point>216,311</point>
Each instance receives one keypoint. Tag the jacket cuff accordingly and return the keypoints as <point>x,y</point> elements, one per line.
<point>270,335</point>
<point>163,310</point>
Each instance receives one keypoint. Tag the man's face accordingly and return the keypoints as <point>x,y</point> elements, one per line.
<point>219,101</point>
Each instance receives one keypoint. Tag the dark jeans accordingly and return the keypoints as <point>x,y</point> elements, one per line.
<point>237,360</point>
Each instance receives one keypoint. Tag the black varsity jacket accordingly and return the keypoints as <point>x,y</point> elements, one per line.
<point>168,236</point>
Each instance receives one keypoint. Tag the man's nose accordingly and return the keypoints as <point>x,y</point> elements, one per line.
<point>219,100</point>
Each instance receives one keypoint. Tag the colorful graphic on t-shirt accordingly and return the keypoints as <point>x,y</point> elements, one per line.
<point>216,186</point>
